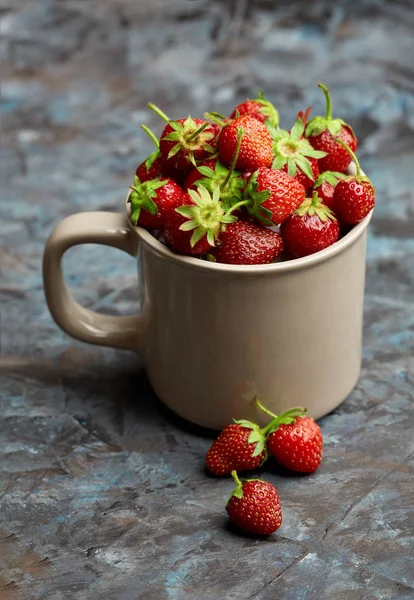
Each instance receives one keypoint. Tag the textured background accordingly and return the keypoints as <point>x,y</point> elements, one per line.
<point>103,494</point>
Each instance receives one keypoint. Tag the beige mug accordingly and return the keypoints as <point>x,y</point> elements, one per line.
<point>214,336</point>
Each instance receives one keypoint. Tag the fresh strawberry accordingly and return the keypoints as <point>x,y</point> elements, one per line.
<point>294,154</point>
<point>273,195</point>
<point>153,167</point>
<point>354,196</point>
<point>254,506</point>
<point>244,243</point>
<point>240,446</point>
<point>196,175</point>
<point>323,133</point>
<point>325,186</point>
<point>294,440</point>
<point>194,226</point>
<point>185,141</point>
<point>311,228</point>
<point>152,201</point>
<point>259,108</point>
<point>256,144</point>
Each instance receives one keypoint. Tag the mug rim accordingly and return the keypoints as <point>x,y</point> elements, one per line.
<point>293,264</point>
<point>278,267</point>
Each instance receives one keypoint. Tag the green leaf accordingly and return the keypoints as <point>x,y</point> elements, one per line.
<point>174,150</point>
<point>186,211</point>
<point>150,206</point>
<point>279,162</point>
<point>135,215</point>
<point>206,171</point>
<point>151,159</point>
<point>305,166</point>
<point>313,153</point>
<point>174,136</point>
<point>197,235</point>
<point>176,126</point>
<point>189,225</point>
<point>334,126</point>
<point>291,167</point>
<point>297,129</point>
<point>260,446</point>
<point>210,237</point>
<point>238,493</point>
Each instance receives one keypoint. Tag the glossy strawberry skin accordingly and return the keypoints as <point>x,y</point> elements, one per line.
<point>326,194</point>
<point>157,169</point>
<point>181,162</point>
<point>244,243</point>
<point>259,510</point>
<point>179,240</point>
<point>337,158</point>
<point>304,179</point>
<point>232,451</point>
<point>353,201</point>
<point>304,235</point>
<point>251,108</point>
<point>298,446</point>
<point>194,175</point>
<point>256,146</point>
<point>286,193</point>
<point>168,197</point>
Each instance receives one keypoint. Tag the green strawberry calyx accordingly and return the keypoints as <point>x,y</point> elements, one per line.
<point>154,155</point>
<point>268,110</point>
<point>293,150</point>
<point>358,177</point>
<point>141,197</point>
<point>331,177</point>
<point>207,216</point>
<point>228,180</point>
<point>314,206</point>
<point>255,200</point>
<point>318,125</point>
<point>256,437</point>
<point>238,491</point>
<point>286,418</point>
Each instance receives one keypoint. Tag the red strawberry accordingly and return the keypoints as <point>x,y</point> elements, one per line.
<point>196,175</point>
<point>273,195</point>
<point>259,108</point>
<point>325,186</point>
<point>294,154</point>
<point>240,446</point>
<point>311,228</point>
<point>194,226</point>
<point>323,133</point>
<point>254,506</point>
<point>152,168</point>
<point>256,144</point>
<point>354,197</point>
<point>152,201</point>
<point>294,440</point>
<point>244,243</point>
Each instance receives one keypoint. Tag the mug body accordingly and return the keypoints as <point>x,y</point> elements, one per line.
<point>216,336</point>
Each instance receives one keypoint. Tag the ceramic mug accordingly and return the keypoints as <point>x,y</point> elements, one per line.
<point>213,336</point>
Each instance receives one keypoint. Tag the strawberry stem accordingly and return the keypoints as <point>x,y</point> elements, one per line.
<point>265,410</point>
<point>238,205</point>
<point>353,156</point>
<point>285,418</point>
<point>235,157</point>
<point>197,131</point>
<point>151,135</point>
<point>216,118</point>
<point>328,114</point>
<point>159,112</point>
<point>236,478</point>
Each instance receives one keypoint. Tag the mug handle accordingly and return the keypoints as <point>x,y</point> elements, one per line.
<point>109,229</point>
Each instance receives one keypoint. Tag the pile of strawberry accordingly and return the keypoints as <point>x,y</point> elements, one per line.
<point>293,439</point>
<point>219,187</point>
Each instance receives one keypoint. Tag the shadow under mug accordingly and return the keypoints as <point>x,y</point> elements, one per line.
<point>214,336</point>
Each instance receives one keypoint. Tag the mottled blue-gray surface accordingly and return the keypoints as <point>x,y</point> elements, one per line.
<point>103,493</point>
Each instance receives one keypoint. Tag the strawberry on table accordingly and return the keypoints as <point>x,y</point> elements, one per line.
<point>254,506</point>
<point>354,196</point>
<point>256,145</point>
<point>260,108</point>
<point>294,440</point>
<point>325,186</point>
<point>240,446</point>
<point>273,195</point>
<point>311,228</point>
<point>294,154</point>
<point>152,201</point>
<point>244,243</point>
<point>323,134</point>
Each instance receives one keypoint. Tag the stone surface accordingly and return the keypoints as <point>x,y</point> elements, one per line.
<point>103,493</point>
